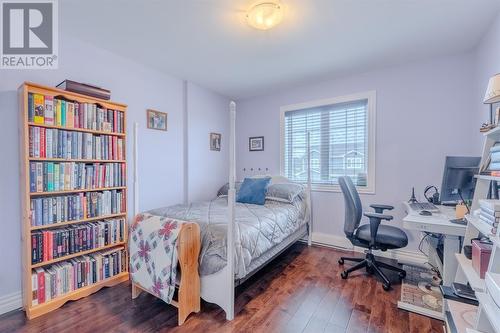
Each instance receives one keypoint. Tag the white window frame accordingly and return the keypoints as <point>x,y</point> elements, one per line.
<point>371,96</point>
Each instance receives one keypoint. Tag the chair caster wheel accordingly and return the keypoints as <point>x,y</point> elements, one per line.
<point>386,286</point>
<point>341,261</point>
<point>402,275</point>
<point>343,275</point>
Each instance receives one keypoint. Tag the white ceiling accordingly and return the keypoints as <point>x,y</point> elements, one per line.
<point>208,42</point>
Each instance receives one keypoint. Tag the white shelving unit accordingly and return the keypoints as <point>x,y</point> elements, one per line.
<point>488,312</point>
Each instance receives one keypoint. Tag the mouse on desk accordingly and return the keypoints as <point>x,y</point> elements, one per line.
<point>425,213</point>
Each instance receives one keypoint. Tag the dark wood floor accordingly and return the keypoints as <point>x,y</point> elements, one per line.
<point>300,291</point>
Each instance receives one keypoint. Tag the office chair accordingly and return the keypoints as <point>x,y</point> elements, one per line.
<point>372,236</point>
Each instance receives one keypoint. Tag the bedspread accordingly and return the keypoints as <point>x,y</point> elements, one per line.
<point>257,229</point>
<point>153,254</point>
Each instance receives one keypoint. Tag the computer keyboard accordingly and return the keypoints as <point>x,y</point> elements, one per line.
<point>423,206</point>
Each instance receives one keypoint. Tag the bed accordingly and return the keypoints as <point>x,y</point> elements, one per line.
<point>259,230</point>
<point>236,239</point>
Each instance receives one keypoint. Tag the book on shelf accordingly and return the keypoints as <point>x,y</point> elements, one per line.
<point>59,111</point>
<point>55,243</point>
<point>64,277</point>
<point>450,293</point>
<point>489,213</point>
<point>494,166</point>
<point>67,208</point>
<point>67,176</point>
<point>56,143</point>
<point>38,109</point>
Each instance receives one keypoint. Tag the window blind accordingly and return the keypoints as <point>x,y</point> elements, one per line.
<point>338,140</point>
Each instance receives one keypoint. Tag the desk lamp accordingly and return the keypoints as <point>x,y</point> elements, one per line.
<point>492,94</point>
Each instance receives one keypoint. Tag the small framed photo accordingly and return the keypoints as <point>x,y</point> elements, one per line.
<point>157,120</point>
<point>256,143</point>
<point>215,139</point>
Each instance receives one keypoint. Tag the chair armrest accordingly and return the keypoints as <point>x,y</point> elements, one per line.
<point>375,220</point>
<point>379,216</point>
<point>380,208</point>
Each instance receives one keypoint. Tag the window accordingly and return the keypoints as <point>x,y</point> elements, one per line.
<point>342,141</point>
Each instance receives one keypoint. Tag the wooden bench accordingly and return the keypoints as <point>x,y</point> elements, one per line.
<point>188,247</point>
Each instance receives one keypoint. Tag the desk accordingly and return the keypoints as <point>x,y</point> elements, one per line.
<point>438,223</point>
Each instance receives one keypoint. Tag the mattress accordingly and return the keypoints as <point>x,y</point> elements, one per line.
<point>259,229</point>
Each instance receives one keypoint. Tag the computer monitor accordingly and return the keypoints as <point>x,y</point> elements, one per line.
<point>459,174</point>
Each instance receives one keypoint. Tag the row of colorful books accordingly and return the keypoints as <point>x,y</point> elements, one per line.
<point>51,244</point>
<point>53,281</point>
<point>489,212</point>
<point>70,114</point>
<point>56,143</point>
<point>66,176</point>
<point>66,208</point>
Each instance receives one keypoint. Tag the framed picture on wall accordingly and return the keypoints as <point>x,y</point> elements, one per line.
<point>157,120</point>
<point>256,143</point>
<point>215,139</point>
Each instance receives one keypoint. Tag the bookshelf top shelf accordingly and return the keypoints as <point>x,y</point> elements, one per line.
<point>38,88</point>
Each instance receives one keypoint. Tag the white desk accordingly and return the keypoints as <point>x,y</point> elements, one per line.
<point>439,223</point>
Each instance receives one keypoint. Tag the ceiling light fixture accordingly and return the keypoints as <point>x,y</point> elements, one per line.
<point>265,15</point>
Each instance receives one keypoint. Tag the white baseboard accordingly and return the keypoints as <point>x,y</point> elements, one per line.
<point>402,256</point>
<point>11,302</point>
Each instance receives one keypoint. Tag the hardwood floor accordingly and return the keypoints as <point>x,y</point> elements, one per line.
<point>300,291</point>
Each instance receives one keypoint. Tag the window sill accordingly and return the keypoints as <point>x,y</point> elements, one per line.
<point>337,189</point>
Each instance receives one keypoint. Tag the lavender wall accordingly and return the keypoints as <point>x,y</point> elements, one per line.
<point>161,168</point>
<point>423,114</point>
<point>208,170</point>
<point>487,64</point>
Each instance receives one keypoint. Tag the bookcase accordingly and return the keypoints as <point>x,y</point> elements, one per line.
<point>73,196</point>
<point>486,314</point>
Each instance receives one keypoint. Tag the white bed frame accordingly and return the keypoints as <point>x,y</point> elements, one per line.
<point>219,287</point>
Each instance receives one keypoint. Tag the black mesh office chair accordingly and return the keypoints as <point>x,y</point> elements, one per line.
<point>372,236</point>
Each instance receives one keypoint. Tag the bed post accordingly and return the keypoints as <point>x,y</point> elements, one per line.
<point>136,167</point>
<point>309,199</point>
<point>231,204</point>
<point>136,290</point>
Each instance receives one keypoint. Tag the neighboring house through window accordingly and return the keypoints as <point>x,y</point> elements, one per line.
<point>342,141</point>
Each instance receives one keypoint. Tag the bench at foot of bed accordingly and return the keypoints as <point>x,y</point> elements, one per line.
<point>188,247</point>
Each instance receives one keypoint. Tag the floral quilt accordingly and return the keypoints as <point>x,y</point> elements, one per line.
<point>153,254</point>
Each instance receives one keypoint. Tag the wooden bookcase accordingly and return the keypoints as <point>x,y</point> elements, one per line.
<point>24,90</point>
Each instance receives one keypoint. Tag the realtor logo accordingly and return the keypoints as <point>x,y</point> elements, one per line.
<point>29,36</point>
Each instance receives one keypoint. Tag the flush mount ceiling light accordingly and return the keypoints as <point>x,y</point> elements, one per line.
<point>265,15</point>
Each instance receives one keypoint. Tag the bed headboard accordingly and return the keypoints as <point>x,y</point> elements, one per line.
<point>264,172</point>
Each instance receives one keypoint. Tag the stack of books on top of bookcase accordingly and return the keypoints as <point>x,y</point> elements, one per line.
<point>489,212</point>
<point>74,196</point>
